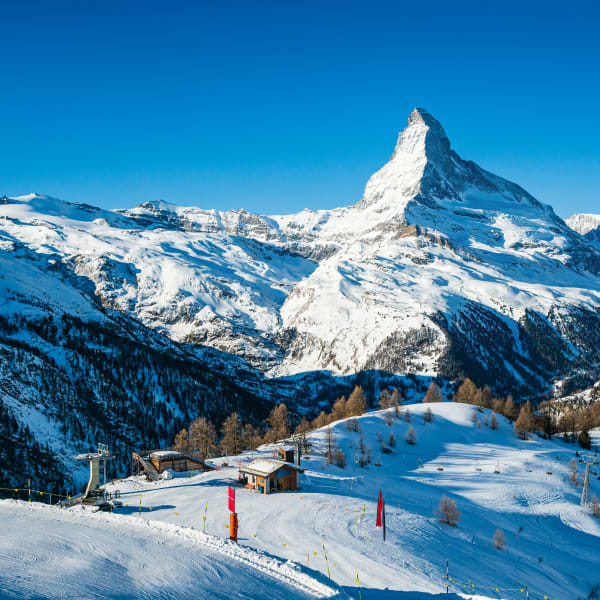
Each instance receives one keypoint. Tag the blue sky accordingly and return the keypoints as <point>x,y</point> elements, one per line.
<point>277,106</point>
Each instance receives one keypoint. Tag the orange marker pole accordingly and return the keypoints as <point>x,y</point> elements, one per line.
<point>233,527</point>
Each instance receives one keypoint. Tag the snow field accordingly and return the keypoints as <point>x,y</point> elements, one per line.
<point>551,542</point>
<point>90,555</point>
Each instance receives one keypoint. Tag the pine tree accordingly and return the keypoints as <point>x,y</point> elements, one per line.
<point>584,440</point>
<point>433,393</point>
<point>231,435</point>
<point>428,415</point>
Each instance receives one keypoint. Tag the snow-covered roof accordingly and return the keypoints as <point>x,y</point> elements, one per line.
<point>161,454</point>
<point>267,466</point>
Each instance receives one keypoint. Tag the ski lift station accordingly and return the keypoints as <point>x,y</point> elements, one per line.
<point>266,475</point>
<point>94,459</point>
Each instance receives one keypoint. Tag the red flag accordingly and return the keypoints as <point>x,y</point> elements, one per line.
<point>379,509</point>
<point>231,499</point>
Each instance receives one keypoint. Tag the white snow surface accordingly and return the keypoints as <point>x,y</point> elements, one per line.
<point>160,550</point>
<point>551,541</point>
<point>431,233</point>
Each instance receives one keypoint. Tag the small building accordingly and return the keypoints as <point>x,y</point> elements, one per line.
<point>176,461</point>
<point>266,475</point>
<point>287,454</point>
<point>155,462</point>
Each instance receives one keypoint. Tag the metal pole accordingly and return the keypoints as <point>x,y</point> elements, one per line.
<point>446,576</point>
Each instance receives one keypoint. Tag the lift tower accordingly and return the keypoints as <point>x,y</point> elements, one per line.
<point>585,494</point>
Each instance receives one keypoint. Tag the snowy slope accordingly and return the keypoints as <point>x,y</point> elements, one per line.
<point>46,552</point>
<point>438,258</point>
<point>551,542</point>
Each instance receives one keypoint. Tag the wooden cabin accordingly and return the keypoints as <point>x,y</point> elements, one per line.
<point>155,462</point>
<point>176,461</point>
<point>268,475</point>
<point>287,454</point>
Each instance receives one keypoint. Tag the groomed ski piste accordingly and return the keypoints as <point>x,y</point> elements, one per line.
<point>155,548</point>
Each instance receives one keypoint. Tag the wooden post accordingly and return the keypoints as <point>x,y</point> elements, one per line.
<point>446,576</point>
<point>233,527</point>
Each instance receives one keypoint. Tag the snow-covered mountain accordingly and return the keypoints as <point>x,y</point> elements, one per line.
<point>587,225</point>
<point>441,269</point>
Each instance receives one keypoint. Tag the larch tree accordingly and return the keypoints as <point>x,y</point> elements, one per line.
<point>499,539</point>
<point>447,511</point>
<point>203,438</point>
<point>385,399</point>
<point>428,416</point>
<point>524,423</point>
<point>433,394</point>
<point>357,402</point>
<point>411,436</point>
<point>231,435</point>
<point>494,421</point>
<point>466,392</point>
<point>182,441</point>
<point>279,423</point>
<point>251,437</point>
<point>510,410</point>
<point>340,409</point>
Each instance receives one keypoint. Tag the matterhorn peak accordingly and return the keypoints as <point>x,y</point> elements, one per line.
<point>423,133</point>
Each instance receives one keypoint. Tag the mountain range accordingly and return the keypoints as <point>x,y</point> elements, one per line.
<point>441,270</point>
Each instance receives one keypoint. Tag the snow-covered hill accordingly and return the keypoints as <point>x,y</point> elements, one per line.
<point>498,481</point>
<point>46,552</point>
<point>442,268</point>
<point>587,225</point>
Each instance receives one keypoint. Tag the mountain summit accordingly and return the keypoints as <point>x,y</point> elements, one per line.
<point>441,269</point>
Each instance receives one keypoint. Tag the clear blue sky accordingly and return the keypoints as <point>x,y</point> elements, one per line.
<point>277,106</point>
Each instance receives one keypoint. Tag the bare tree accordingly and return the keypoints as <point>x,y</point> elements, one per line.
<point>494,421</point>
<point>389,418</point>
<point>428,415</point>
<point>340,458</point>
<point>392,440</point>
<point>447,511</point>
<point>595,506</point>
<point>411,436</point>
<point>499,539</point>
<point>573,471</point>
